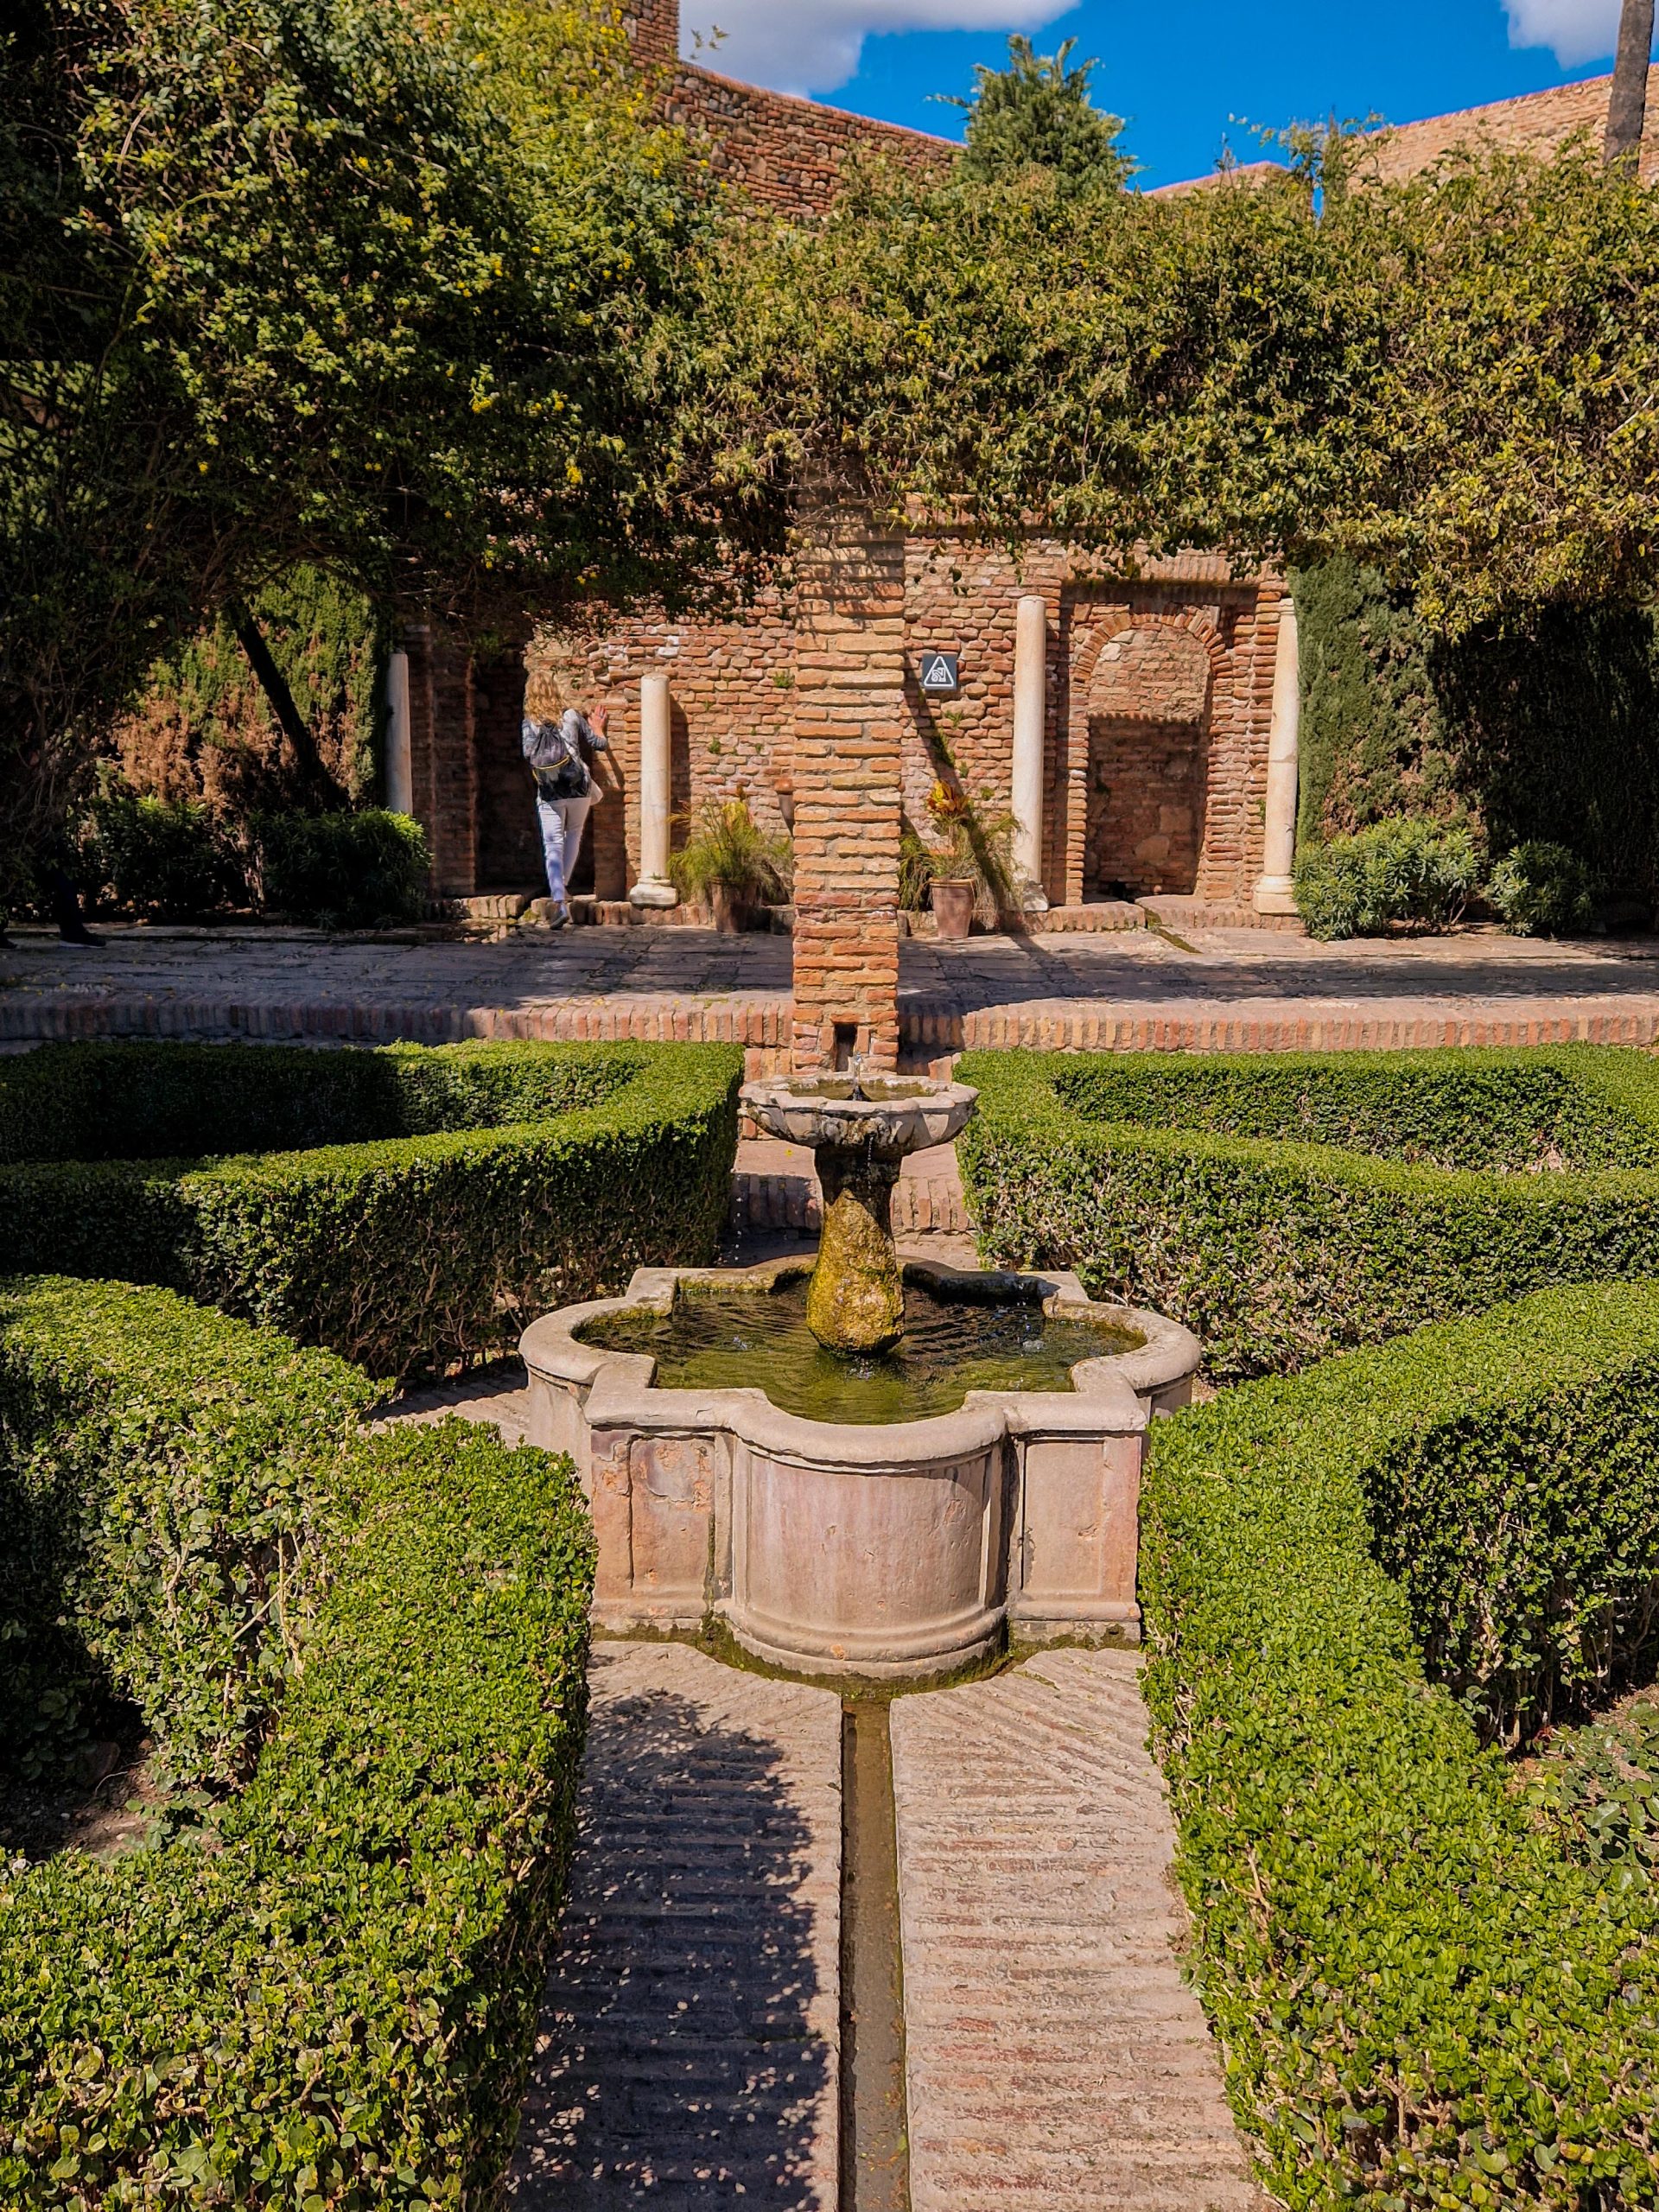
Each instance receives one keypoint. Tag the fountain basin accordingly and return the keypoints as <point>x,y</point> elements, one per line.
<point>883,1550</point>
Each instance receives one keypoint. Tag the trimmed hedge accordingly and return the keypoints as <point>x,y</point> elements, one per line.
<point>1288,1205</point>
<point>1424,1999</point>
<point>327,1995</point>
<point>444,1197</point>
<point>172,1496</point>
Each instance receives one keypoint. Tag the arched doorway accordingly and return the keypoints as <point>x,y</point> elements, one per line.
<point>1149,715</point>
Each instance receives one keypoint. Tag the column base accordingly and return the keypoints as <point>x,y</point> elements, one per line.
<point>1275,894</point>
<point>1033,900</point>
<point>653,890</point>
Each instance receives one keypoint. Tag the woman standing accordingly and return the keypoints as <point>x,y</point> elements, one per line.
<point>559,754</point>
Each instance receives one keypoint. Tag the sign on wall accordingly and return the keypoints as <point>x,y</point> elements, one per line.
<point>938,674</point>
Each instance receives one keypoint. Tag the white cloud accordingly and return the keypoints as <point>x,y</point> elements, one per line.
<point>812,45</point>
<point>1574,30</point>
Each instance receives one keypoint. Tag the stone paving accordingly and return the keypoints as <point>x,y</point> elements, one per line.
<point>1217,989</point>
<point>1056,2062</point>
<point>688,2055</point>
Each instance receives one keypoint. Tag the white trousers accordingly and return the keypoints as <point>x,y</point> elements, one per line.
<point>563,822</point>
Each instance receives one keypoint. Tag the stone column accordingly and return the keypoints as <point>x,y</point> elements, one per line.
<point>1029,716</point>
<point>1274,892</point>
<point>849,717</point>
<point>400,762</point>
<point>656,789</point>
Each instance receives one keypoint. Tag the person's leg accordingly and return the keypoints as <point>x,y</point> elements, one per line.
<point>550,814</point>
<point>576,812</point>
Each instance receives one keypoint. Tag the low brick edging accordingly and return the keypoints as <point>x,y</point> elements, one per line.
<point>931,1034</point>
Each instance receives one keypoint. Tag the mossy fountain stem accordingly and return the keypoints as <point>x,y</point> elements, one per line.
<point>855,1301</point>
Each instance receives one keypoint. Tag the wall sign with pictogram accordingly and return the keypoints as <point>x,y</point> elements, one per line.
<point>938,674</point>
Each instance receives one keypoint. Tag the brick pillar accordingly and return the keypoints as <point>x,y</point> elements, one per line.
<point>443,767</point>
<point>849,717</point>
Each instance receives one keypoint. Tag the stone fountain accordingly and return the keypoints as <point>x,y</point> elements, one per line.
<point>861,1128</point>
<point>860,1468</point>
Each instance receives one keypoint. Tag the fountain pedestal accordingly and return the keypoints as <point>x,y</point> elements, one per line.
<point>861,1130</point>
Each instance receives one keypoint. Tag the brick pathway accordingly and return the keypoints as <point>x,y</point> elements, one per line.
<point>1238,989</point>
<point>688,2054</point>
<point>1056,2062</point>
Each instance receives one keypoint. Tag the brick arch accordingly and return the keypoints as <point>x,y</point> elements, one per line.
<point>1139,779</point>
<point>1197,621</point>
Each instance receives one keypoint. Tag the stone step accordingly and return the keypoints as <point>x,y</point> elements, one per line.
<point>774,1187</point>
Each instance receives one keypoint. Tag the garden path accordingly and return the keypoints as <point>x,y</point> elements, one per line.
<point>1213,988</point>
<point>1056,2062</point>
<point>688,2053</point>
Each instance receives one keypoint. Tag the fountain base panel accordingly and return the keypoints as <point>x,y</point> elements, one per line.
<point>877,1550</point>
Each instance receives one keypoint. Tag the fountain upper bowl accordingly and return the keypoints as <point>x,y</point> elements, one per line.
<point>891,1115</point>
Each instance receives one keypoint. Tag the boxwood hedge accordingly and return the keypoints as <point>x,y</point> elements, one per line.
<point>1425,1996</point>
<point>325,1994</point>
<point>1288,1205</point>
<point>410,1209</point>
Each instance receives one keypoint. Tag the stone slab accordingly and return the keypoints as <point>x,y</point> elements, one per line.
<point>1056,2060</point>
<point>688,2051</point>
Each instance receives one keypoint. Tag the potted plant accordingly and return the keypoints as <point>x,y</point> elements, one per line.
<point>730,864</point>
<point>965,862</point>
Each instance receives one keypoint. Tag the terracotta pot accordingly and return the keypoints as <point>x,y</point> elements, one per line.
<point>953,907</point>
<point>731,913</point>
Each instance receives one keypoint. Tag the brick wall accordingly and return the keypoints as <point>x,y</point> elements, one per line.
<point>787,153</point>
<point>849,717</point>
<point>1172,676</point>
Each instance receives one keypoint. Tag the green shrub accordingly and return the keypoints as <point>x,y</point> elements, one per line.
<point>1408,872</point>
<point>1542,890</point>
<point>328,1992</point>
<point>164,862</point>
<point>404,1253</point>
<point>169,1494</point>
<point>356,871</point>
<point>1286,1206</point>
<point>1423,1999</point>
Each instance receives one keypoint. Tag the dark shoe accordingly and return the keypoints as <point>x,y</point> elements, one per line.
<point>80,935</point>
<point>557,919</point>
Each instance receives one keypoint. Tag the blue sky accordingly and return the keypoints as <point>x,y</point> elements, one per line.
<point>1180,72</point>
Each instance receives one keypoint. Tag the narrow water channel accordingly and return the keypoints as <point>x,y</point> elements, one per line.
<point>875,2143</point>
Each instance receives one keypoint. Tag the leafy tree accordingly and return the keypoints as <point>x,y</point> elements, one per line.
<point>1037,114</point>
<point>323,280</point>
<point>1448,379</point>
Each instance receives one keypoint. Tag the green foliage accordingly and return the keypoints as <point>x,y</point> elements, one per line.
<point>1598,1786</point>
<point>166,862</point>
<point>328,1992</point>
<point>203,704</point>
<point>1405,874</point>
<point>341,871</point>
<point>531,1175</point>
<point>1554,719</point>
<point>1037,114</point>
<point>169,1484</point>
<point>726,845</point>
<point>1543,889</point>
<point>1286,1206</point>
<point>290,272</point>
<point>1423,1999</point>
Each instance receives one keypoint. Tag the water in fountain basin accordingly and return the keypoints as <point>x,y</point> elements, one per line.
<point>732,1339</point>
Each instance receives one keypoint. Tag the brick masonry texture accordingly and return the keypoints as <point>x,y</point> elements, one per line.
<point>1160,697</point>
<point>1056,2060</point>
<point>688,2051</point>
<point>1132,990</point>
